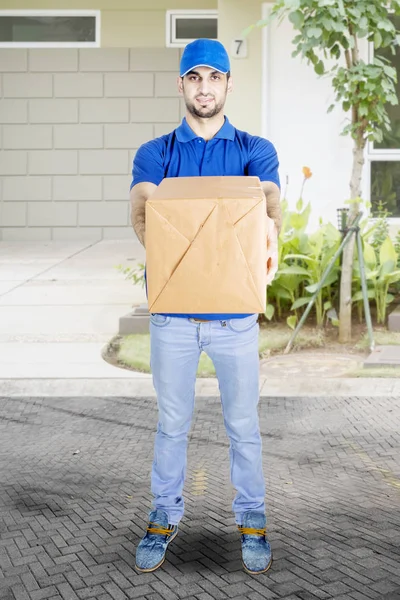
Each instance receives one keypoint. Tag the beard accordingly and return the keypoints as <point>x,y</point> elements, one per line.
<point>204,113</point>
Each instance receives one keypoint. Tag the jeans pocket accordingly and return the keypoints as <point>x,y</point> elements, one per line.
<point>159,320</point>
<point>240,325</point>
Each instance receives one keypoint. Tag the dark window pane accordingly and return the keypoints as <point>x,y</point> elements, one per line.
<point>391,139</point>
<point>385,186</point>
<point>190,29</point>
<point>47,29</point>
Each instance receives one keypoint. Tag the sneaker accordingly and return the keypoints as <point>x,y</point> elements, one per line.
<point>150,553</point>
<point>256,550</point>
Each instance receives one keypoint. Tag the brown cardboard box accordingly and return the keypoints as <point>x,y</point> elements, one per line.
<point>206,246</point>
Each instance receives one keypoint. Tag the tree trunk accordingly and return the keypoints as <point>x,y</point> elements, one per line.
<point>348,253</point>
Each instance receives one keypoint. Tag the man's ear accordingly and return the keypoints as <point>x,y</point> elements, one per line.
<point>180,85</point>
<point>229,88</point>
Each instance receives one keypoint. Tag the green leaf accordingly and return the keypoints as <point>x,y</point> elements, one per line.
<point>291,321</point>
<point>363,23</point>
<point>300,302</point>
<point>387,251</point>
<point>392,277</point>
<point>299,205</point>
<point>359,295</point>
<point>369,256</point>
<point>335,322</point>
<point>269,311</point>
<point>279,291</point>
<point>332,277</point>
<point>296,18</point>
<point>389,298</point>
<point>319,68</point>
<point>327,305</point>
<point>294,270</point>
<point>302,256</point>
<point>314,32</point>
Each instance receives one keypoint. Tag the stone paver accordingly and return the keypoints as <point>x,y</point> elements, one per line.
<point>74,496</point>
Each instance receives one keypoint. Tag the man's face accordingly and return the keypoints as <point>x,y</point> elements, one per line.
<point>204,91</point>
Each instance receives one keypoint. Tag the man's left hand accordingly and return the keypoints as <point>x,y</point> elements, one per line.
<point>272,250</point>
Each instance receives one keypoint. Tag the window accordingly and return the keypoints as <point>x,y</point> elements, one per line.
<point>184,26</point>
<point>384,157</point>
<point>49,28</point>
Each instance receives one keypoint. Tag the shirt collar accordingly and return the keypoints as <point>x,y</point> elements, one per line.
<point>185,133</point>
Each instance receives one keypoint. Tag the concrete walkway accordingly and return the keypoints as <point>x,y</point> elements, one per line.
<point>60,303</point>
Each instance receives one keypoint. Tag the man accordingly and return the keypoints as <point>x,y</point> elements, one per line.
<point>206,144</point>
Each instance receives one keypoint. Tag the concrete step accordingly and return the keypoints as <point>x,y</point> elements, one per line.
<point>384,356</point>
<point>394,319</point>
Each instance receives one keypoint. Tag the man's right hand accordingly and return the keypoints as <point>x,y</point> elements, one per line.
<point>139,194</point>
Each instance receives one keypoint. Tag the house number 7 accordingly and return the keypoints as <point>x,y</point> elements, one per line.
<point>239,48</point>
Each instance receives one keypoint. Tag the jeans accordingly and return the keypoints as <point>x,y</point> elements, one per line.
<point>176,345</point>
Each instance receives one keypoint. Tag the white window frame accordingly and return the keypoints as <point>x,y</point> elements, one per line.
<point>54,13</point>
<point>377,154</point>
<point>171,17</point>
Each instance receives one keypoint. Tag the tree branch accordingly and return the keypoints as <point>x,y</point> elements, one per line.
<point>354,52</point>
<point>348,58</point>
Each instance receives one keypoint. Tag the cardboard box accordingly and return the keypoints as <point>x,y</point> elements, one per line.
<point>206,246</point>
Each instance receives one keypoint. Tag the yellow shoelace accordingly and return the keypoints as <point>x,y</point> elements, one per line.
<point>250,531</point>
<point>159,529</point>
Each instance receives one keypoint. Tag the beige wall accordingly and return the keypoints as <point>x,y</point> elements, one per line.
<point>124,23</point>
<point>244,105</point>
<point>141,23</point>
<point>71,121</point>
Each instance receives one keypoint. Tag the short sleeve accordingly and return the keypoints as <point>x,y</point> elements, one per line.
<point>263,161</point>
<point>148,164</point>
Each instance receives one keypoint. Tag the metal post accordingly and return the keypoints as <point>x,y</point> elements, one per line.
<point>328,269</point>
<point>365,290</point>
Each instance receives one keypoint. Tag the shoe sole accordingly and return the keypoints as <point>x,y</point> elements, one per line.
<point>161,561</point>
<point>257,572</point>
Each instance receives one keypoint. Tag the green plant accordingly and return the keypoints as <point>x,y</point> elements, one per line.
<point>397,248</point>
<point>381,273</point>
<point>302,259</point>
<point>134,274</point>
<point>381,230</point>
<point>329,34</point>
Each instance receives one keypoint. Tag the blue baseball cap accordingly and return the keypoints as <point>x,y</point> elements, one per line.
<point>204,53</point>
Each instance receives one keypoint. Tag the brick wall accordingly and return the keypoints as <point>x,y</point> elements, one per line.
<point>71,121</point>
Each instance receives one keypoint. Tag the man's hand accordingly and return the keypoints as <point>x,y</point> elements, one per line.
<point>272,250</point>
<point>139,195</point>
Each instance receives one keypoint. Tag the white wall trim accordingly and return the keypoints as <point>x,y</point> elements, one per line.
<point>55,13</point>
<point>170,24</point>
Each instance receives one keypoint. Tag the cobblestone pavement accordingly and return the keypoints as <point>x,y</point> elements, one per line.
<point>74,497</point>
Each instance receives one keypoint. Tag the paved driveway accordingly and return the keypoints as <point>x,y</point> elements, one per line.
<point>74,496</point>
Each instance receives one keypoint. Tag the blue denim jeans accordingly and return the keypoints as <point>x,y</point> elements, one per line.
<point>176,345</point>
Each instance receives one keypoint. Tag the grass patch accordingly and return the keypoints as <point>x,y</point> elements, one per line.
<point>382,338</point>
<point>273,339</point>
<point>133,351</point>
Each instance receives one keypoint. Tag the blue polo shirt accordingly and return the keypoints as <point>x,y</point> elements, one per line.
<point>182,153</point>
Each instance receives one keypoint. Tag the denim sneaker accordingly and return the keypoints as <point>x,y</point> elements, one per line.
<point>150,553</point>
<point>256,551</point>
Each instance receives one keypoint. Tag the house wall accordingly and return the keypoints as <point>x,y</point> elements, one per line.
<point>305,135</point>
<point>244,104</point>
<point>124,23</point>
<point>71,121</point>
